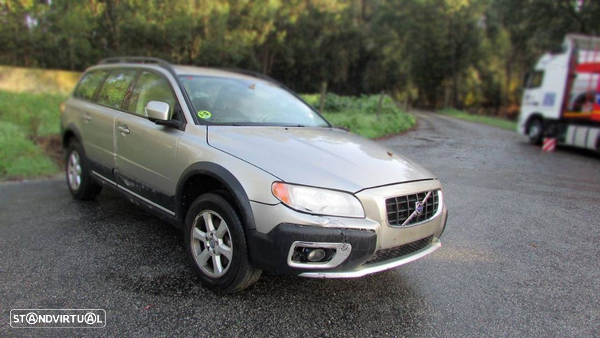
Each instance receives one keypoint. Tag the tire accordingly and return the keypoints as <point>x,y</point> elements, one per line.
<point>77,171</point>
<point>535,131</point>
<point>218,256</point>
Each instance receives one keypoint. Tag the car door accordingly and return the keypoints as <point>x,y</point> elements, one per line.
<point>146,152</point>
<point>99,121</point>
<point>96,123</point>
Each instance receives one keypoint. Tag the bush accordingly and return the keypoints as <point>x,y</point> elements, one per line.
<point>359,114</point>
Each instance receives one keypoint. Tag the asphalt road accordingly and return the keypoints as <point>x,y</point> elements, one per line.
<point>520,257</point>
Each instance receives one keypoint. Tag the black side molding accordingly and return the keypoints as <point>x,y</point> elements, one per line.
<point>227,179</point>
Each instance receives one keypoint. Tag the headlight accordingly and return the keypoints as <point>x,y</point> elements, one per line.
<point>318,201</point>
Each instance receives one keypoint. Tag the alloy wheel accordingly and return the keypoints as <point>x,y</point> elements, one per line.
<point>212,245</point>
<point>74,170</point>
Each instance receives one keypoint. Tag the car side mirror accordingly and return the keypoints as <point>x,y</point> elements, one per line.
<point>158,111</point>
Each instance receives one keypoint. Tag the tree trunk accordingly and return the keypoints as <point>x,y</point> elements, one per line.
<point>323,94</point>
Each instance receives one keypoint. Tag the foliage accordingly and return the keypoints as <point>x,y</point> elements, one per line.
<point>443,53</point>
<point>492,121</point>
<point>337,103</point>
<point>359,114</point>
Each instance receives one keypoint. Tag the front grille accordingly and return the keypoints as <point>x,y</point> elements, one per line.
<point>399,251</point>
<point>400,208</point>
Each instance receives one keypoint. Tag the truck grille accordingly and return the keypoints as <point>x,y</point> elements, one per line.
<point>400,208</point>
<point>399,251</point>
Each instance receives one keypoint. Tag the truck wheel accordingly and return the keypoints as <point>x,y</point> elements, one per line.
<point>80,183</point>
<point>217,247</point>
<point>535,131</point>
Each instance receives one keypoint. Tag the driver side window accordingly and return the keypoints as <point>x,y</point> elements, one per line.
<point>151,87</point>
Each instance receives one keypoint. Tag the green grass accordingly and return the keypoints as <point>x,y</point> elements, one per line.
<point>359,114</point>
<point>37,114</point>
<point>20,157</point>
<point>492,121</point>
<point>25,117</point>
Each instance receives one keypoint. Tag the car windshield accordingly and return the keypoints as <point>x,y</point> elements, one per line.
<point>236,101</point>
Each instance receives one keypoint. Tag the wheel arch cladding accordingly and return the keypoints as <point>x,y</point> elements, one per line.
<point>71,131</point>
<point>213,173</point>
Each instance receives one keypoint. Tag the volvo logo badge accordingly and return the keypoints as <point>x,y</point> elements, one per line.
<point>418,207</point>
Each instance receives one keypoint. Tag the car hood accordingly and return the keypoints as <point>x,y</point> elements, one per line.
<point>322,157</point>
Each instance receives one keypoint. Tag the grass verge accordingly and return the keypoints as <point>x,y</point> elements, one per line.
<point>29,128</point>
<point>492,121</point>
<point>359,114</point>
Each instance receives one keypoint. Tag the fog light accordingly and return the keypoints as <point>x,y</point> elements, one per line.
<point>316,255</point>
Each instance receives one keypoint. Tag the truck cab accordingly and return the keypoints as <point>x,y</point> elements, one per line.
<point>561,95</point>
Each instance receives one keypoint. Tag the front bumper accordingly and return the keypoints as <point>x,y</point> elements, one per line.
<point>368,269</point>
<point>271,251</point>
<point>279,227</point>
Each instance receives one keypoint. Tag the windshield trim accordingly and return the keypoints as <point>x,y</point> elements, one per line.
<point>266,124</point>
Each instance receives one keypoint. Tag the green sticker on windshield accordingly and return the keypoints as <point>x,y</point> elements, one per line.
<point>204,114</point>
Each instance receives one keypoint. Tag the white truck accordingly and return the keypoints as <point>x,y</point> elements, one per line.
<point>561,97</point>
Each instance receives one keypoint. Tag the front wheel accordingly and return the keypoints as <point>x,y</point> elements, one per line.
<point>535,131</point>
<point>216,245</point>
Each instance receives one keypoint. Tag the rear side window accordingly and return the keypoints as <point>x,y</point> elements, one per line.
<point>115,87</point>
<point>150,87</point>
<point>89,83</point>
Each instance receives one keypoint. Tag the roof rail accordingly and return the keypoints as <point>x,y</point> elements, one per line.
<point>139,59</point>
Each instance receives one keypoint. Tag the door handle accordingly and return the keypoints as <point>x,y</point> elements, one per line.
<point>123,129</point>
<point>87,117</point>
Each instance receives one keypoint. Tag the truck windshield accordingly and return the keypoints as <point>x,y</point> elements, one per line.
<point>235,101</point>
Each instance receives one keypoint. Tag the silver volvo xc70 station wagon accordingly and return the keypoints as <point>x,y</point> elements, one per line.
<point>256,178</point>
